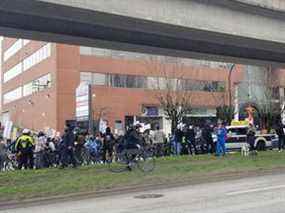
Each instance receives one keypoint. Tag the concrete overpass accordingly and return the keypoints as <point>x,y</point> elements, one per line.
<point>224,29</point>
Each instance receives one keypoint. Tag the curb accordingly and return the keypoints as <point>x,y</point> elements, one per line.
<point>196,180</point>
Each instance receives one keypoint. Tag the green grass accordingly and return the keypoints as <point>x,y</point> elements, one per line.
<point>49,182</point>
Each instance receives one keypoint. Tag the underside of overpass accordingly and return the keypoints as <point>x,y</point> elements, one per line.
<point>220,30</point>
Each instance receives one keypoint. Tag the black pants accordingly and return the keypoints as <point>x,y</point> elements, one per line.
<point>109,150</point>
<point>251,145</point>
<point>26,159</point>
<point>68,157</point>
<point>192,147</point>
<point>158,149</point>
<point>39,156</point>
<point>281,143</point>
<point>2,159</point>
<point>78,152</point>
<point>211,146</point>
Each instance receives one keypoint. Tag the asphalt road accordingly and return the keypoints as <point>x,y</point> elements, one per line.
<point>251,195</point>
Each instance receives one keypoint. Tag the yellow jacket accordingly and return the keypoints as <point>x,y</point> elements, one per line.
<point>24,141</point>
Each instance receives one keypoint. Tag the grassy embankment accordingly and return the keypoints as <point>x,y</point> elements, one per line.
<point>20,185</point>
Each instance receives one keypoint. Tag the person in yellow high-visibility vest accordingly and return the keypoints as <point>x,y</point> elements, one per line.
<point>24,147</point>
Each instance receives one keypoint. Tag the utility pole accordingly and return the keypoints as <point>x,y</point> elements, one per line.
<point>230,84</point>
<point>236,103</point>
<point>90,119</point>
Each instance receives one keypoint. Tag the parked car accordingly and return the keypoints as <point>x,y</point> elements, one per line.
<point>236,138</point>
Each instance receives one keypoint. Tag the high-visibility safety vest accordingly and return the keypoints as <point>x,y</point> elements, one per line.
<point>23,142</point>
<point>184,140</point>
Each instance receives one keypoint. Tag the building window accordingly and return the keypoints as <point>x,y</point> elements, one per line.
<point>141,82</point>
<point>275,92</point>
<point>99,79</point>
<point>95,51</point>
<point>152,83</point>
<point>13,49</point>
<point>86,77</point>
<point>131,81</point>
<point>13,72</point>
<point>93,78</point>
<point>37,57</point>
<point>42,83</point>
<point>19,44</point>
<point>12,95</point>
<point>117,80</point>
<point>118,54</point>
<point>37,85</point>
<point>28,89</point>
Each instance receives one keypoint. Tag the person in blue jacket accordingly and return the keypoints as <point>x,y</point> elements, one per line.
<point>221,143</point>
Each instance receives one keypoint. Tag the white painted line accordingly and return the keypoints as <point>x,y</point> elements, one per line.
<point>255,190</point>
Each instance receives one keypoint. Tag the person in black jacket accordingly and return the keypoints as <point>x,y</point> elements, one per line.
<point>67,148</point>
<point>133,138</point>
<point>190,138</point>
<point>251,137</point>
<point>207,136</point>
<point>280,133</point>
<point>108,144</point>
<point>178,140</point>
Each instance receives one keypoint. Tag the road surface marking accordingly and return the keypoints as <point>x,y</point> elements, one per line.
<point>256,190</point>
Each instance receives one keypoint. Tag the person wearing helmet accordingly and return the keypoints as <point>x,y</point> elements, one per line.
<point>24,148</point>
<point>133,142</point>
<point>133,138</point>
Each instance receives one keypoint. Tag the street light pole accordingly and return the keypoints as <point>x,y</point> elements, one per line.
<point>236,103</point>
<point>90,119</point>
<point>230,84</point>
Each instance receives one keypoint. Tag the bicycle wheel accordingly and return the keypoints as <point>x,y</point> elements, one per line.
<point>1,165</point>
<point>120,164</point>
<point>85,156</point>
<point>146,161</point>
<point>9,165</point>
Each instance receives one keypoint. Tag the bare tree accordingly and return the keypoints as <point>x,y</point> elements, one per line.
<point>268,102</point>
<point>171,89</point>
<point>225,112</point>
<point>99,113</point>
<point>225,109</point>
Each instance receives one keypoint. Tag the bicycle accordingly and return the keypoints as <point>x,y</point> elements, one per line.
<point>127,159</point>
<point>10,162</point>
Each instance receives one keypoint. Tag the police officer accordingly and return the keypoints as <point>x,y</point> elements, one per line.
<point>24,147</point>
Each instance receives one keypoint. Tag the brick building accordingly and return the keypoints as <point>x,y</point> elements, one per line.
<point>39,80</point>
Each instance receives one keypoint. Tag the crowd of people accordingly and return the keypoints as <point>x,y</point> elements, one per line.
<point>76,147</point>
